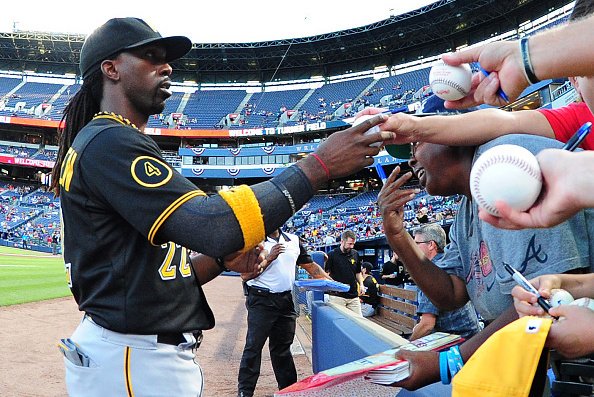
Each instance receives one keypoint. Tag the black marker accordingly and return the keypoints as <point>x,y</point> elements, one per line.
<point>521,280</point>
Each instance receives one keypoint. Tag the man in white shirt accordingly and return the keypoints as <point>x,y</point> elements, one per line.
<point>271,312</point>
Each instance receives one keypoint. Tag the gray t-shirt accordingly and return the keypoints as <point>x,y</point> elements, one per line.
<point>477,250</point>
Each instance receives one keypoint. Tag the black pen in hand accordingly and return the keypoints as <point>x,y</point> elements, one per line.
<point>521,280</point>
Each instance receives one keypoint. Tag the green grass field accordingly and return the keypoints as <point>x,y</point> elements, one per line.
<point>30,276</point>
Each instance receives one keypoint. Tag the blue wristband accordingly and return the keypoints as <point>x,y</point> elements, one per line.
<point>444,373</point>
<point>454,359</point>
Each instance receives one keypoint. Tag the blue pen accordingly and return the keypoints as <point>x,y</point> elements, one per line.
<point>392,111</point>
<point>500,92</point>
<point>578,137</point>
<point>381,173</point>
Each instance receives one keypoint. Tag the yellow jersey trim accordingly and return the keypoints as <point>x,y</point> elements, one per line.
<point>128,374</point>
<point>169,210</point>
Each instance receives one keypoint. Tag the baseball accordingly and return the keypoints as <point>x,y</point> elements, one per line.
<point>584,302</point>
<point>372,130</point>
<point>509,173</point>
<point>450,83</point>
<point>560,297</point>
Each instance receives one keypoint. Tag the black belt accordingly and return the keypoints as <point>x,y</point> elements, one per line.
<point>265,291</point>
<point>177,338</point>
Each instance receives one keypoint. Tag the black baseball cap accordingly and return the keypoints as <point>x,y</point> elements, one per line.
<point>367,266</point>
<point>119,34</point>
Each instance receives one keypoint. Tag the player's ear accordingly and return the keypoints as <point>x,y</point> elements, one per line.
<point>109,69</point>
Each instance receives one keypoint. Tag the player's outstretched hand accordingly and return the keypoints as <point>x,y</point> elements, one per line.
<point>423,368</point>
<point>572,334</point>
<point>525,301</point>
<point>348,151</point>
<point>503,60</point>
<point>391,200</point>
<point>565,186</point>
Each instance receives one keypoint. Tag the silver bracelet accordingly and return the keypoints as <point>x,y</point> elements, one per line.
<point>287,194</point>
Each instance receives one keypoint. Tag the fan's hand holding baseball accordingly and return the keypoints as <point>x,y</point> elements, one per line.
<point>405,127</point>
<point>503,59</point>
<point>572,335</point>
<point>567,185</point>
<point>391,200</point>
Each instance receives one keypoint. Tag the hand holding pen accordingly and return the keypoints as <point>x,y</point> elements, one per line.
<point>500,92</point>
<point>521,280</point>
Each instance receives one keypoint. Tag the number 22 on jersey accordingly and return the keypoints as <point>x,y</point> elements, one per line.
<point>168,268</point>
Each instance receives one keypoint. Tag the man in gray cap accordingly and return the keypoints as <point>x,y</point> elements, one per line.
<point>130,220</point>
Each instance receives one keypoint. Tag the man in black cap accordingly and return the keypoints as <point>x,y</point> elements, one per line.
<point>130,220</point>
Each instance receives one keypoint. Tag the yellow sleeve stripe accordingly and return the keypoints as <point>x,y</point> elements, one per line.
<point>246,208</point>
<point>169,210</point>
<point>67,169</point>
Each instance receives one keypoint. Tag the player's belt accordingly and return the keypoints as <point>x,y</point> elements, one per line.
<point>177,338</point>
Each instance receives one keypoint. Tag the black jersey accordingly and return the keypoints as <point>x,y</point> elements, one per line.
<point>343,267</point>
<point>116,191</point>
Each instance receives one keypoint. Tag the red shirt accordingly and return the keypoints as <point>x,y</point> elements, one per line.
<point>566,120</point>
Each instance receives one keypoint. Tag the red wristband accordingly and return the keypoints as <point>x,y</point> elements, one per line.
<point>322,164</point>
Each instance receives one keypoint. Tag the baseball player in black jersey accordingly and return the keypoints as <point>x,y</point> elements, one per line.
<point>129,220</point>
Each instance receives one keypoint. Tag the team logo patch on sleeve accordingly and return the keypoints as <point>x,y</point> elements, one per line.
<point>150,172</point>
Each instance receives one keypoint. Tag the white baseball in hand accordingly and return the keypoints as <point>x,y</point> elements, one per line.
<point>508,173</point>
<point>450,83</point>
<point>372,130</point>
<point>560,297</point>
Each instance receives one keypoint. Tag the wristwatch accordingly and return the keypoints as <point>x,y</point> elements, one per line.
<point>220,261</point>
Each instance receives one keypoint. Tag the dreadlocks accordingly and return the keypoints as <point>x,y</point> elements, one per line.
<point>77,114</point>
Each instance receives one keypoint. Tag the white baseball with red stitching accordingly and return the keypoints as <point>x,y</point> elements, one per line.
<point>450,83</point>
<point>509,173</point>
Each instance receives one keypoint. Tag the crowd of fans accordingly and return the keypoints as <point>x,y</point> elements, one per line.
<point>322,228</point>
<point>29,213</point>
<point>29,217</point>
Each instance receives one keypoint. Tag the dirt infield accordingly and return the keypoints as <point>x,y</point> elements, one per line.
<point>32,367</point>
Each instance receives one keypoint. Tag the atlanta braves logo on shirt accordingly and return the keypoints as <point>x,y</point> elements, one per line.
<point>150,172</point>
<point>481,269</point>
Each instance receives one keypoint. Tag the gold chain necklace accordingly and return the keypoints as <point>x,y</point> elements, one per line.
<point>116,117</point>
